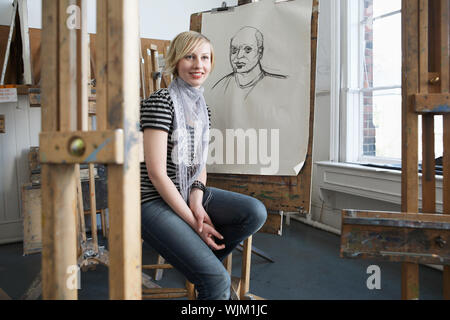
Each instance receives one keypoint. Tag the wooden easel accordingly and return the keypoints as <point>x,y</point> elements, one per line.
<point>412,237</point>
<point>117,30</point>
<point>281,195</point>
<point>89,254</point>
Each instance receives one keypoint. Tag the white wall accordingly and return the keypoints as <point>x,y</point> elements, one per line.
<point>158,20</point>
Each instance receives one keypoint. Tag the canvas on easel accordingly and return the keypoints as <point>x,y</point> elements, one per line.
<point>279,192</point>
<point>259,89</point>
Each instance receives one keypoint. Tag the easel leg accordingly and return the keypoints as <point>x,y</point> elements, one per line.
<point>410,281</point>
<point>93,208</point>
<point>445,88</point>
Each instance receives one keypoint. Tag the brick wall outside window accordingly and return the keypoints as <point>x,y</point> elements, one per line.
<point>369,130</point>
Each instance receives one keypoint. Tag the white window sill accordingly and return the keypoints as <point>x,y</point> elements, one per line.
<point>372,183</point>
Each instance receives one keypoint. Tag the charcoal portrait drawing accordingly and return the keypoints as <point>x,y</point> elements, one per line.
<point>246,52</point>
<point>259,91</point>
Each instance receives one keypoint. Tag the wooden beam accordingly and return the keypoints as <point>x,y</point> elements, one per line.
<point>445,88</point>
<point>122,101</point>
<point>101,52</point>
<point>410,86</point>
<point>59,250</point>
<point>404,216</point>
<point>157,266</point>
<point>82,69</point>
<point>49,94</point>
<point>82,113</point>
<point>96,147</point>
<point>67,83</point>
<point>433,104</point>
<point>93,204</point>
<point>401,237</point>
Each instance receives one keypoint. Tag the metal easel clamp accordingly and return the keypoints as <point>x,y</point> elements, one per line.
<point>106,147</point>
<point>224,7</point>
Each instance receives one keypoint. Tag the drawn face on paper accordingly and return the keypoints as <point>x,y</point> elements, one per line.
<point>245,53</point>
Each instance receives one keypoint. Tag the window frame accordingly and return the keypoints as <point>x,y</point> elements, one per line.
<point>352,88</point>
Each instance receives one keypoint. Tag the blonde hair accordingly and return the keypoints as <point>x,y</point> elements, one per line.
<point>182,45</point>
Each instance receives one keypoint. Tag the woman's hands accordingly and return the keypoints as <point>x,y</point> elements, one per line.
<point>196,206</point>
<point>208,233</point>
<point>205,227</point>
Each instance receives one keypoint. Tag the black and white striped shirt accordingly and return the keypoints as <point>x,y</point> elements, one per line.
<point>157,112</point>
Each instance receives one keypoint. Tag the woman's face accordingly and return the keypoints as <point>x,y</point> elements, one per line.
<point>195,67</point>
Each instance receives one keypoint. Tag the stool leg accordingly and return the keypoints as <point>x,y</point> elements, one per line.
<point>103,219</point>
<point>159,272</point>
<point>245,272</point>
<point>190,290</point>
<point>227,262</point>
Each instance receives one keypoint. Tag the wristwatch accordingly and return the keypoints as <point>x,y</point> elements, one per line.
<point>198,185</point>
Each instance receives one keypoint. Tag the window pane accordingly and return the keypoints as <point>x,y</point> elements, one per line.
<point>381,7</point>
<point>439,136</point>
<point>382,52</point>
<point>382,123</point>
<point>382,126</point>
<point>387,51</point>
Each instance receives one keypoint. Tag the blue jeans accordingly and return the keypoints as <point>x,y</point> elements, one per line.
<point>235,216</point>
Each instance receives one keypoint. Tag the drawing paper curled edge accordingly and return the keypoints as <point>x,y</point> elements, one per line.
<point>299,167</point>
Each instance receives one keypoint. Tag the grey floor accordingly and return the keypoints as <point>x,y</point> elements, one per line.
<point>307,266</point>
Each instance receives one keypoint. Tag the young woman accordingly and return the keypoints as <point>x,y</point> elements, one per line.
<point>193,227</point>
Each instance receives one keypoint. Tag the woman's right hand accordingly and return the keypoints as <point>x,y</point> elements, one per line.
<point>208,234</point>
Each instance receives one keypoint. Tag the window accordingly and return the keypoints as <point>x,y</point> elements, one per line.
<point>372,95</point>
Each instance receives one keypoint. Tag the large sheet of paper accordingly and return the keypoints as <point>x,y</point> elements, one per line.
<point>259,91</point>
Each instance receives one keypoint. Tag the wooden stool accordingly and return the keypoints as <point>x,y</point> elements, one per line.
<point>167,293</point>
<point>239,285</point>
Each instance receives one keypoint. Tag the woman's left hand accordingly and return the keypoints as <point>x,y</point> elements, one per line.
<point>201,216</point>
<point>197,209</point>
